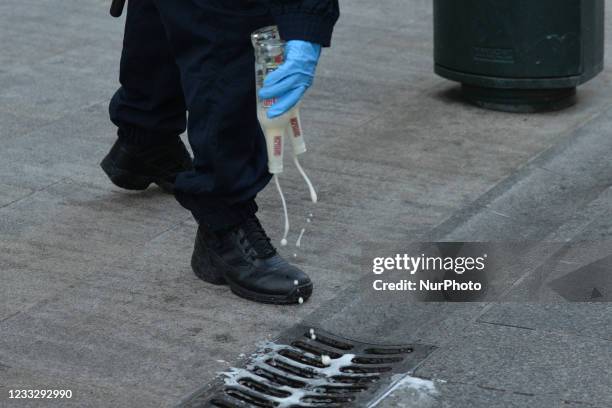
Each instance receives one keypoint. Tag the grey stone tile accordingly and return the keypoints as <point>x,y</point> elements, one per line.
<point>549,193</point>
<point>68,205</point>
<point>52,89</point>
<point>10,194</point>
<point>67,25</point>
<point>84,395</point>
<point>111,338</point>
<point>573,272</point>
<point>69,147</point>
<point>593,222</point>
<point>23,288</point>
<point>14,125</point>
<point>457,395</point>
<point>526,361</point>
<point>587,154</point>
<point>581,319</point>
<point>161,337</point>
<point>395,322</point>
<point>44,250</point>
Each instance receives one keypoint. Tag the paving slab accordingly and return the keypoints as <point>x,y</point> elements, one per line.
<point>592,223</point>
<point>446,394</point>
<point>17,125</point>
<point>526,361</point>
<point>545,194</point>
<point>49,90</point>
<point>39,30</point>
<point>84,395</point>
<point>579,319</point>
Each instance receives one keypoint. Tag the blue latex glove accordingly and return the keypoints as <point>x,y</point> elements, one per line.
<point>289,82</point>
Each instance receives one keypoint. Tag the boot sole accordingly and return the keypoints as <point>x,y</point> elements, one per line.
<point>206,268</point>
<point>302,291</point>
<point>130,181</point>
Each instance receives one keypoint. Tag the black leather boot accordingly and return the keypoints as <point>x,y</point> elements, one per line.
<point>244,258</point>
<point>136,167</point>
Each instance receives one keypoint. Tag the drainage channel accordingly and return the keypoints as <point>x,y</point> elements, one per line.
<point>310,368</point>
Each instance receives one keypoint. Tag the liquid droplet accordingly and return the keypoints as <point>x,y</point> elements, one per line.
<point>301,300</point>
<point>283,242</point>
<point>313,336</point>
<point>326,360</point>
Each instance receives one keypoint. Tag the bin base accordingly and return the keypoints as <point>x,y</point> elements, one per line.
<point>520,100</point>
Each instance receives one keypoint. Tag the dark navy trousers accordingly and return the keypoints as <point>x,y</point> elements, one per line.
<point>196,57</point>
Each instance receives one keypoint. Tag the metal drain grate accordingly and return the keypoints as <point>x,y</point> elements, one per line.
<point>295,372</point>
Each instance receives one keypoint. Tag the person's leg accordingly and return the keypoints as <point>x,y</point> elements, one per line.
<point>211,42</point>
<point>149,108</point>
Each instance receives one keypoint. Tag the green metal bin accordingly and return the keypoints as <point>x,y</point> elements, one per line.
<point>519,55</point>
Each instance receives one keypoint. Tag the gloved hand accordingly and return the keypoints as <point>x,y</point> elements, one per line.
<point>289,82</point>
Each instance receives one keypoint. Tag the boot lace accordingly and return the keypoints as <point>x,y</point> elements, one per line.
<point>258,238</point>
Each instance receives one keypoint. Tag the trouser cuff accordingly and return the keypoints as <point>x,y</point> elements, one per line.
<point>141,137</point>
<point>218,215</point>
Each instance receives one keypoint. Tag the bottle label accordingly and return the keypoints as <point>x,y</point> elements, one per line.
<point>268,102</point>
<point>278,145</point>
<point>297,132</point>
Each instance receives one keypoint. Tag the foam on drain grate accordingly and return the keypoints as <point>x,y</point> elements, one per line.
<point>303,369</point>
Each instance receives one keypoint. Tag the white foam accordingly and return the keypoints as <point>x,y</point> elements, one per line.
<point>269,351</point>
<point>326,360</point>
<point>282,196</point>
<point>425,390</point>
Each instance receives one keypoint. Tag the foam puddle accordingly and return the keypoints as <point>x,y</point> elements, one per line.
<point>424,390</point>
<point>234,375</point>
